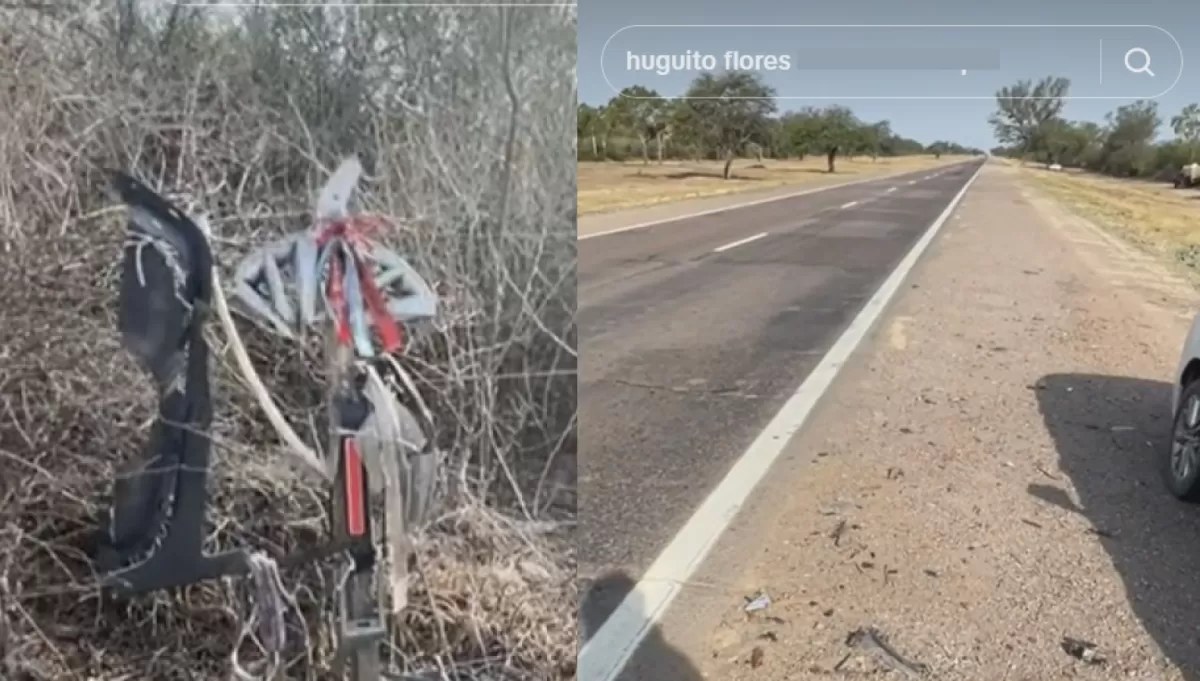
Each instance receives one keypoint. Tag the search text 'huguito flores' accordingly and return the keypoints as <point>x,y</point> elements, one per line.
<point>692,61</point>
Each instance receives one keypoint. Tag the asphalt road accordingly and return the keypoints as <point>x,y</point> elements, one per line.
<point>691,342</point>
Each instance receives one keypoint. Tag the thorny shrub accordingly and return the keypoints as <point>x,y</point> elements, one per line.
<point>463,119</point>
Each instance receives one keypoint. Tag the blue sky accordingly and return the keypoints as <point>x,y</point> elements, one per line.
<point>902,63</point>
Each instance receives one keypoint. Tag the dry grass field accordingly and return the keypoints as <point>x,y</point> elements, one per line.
<point>1152,215</point>
<point>611,186</point>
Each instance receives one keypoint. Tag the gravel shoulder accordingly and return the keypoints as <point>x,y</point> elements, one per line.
<point>980,482</point>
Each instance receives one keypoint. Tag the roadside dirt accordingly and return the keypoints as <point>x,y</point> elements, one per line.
<point>980,483</point>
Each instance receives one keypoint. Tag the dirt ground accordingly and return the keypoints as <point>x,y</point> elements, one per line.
<point>605,187</point>
<point>982,480</point>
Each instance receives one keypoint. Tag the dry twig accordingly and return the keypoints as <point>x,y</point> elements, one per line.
<point>235,116</point>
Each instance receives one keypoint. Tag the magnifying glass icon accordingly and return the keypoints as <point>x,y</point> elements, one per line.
<point>1145,67</point>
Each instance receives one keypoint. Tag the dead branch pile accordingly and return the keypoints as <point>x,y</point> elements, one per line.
<point>463,119</point>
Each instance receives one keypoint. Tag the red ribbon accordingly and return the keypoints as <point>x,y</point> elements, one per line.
<point>351,234</point>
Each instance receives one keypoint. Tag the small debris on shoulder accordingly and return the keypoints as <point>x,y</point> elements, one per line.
<point>1084,651</point>
<point>838,531</point>
<point>760,601</point>
<point>874,643</point>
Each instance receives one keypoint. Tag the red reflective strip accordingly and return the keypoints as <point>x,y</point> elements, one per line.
<point>337,299</point>
<point>389,331</point>
<point>351,233</point>
<point>356,521</point>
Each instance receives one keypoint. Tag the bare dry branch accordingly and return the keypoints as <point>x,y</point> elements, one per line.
<point>239,115</point>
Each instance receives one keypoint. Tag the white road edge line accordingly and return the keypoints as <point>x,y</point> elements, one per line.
<point>747,204</point>
<point>849,205</point>
<point>605,654</point>
<point>739,242</point>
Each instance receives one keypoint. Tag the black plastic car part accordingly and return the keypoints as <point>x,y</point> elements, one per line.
<point>152,538</point>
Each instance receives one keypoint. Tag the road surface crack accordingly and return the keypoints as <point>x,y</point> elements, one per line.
<point>730,391</point>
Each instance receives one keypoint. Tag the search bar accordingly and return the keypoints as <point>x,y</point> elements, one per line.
<point>912,61</point>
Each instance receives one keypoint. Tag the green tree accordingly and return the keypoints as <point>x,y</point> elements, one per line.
<point>1060,142</point>
<point>837,130</point>
<point>1024,109</point>
<point>587,124</point>
<point>642,113</point>
<point>798,131</point>
<point>727,115</point>
<point>657,126</point>
<point>903,146</point>
<point>727,111</point>
<point>777,144</point>
<point>1129,150</point>
<point>1093,136</point>
<point>1187,128</point>
<point>876,138</point>
<point>607,122</point>
<point>683,138</point>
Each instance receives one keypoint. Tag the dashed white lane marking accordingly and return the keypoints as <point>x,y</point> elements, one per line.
<point>849,205</point>
<point>739,242</point>
<point>604,655</point>
<point>890,190</point>
<point>747,204</point>
<point>912,181</point>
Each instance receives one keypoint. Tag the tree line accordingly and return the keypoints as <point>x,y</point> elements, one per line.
<point>723,116</point>
<point>1029,124</point>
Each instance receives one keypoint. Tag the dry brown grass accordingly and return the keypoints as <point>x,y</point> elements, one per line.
<point>611,186</point>
<point>470,157</point>
<point>1153,215</point>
